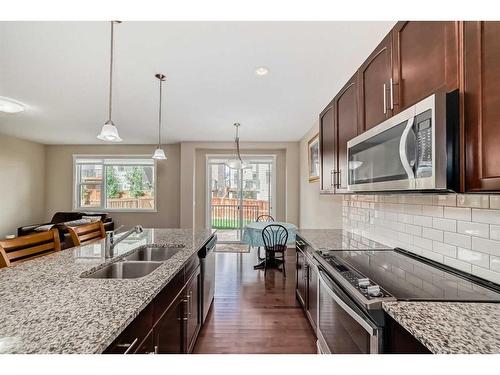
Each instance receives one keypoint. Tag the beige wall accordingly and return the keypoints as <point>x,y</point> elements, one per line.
<point>193,182</point>
<point>22,170</point>
<point>316,211</point>
<point>59,183</point>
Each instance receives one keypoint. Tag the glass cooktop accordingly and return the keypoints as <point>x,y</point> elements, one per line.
<point>408,278</point>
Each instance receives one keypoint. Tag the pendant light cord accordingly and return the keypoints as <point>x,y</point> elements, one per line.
<point>159,115</point>
<point>110,104</point>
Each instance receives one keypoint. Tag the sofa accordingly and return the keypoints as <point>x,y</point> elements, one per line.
<point>60,221</point>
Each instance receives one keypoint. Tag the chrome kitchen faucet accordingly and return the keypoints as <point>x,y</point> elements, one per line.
<point>110,242</point>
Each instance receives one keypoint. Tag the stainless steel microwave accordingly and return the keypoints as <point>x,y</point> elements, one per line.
<point>417,149</point>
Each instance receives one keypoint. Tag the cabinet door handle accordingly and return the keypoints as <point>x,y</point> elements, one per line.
<point>391,91</point>
<point>190,299</point>
<point>156,349</point>
<point>186,314</point>
<point>339,178</point>
<point>332,178</point>
<point>385,99</point>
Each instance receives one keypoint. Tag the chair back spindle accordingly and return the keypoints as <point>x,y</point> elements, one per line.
<point>275,237</point>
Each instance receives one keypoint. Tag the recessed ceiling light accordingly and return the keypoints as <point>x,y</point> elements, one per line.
<point>8,105</point>
<point>261,71</point>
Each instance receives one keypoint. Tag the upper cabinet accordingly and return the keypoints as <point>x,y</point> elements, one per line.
<point>345,106</point>
<point>338,124</point>
<point>375,78</point>
<point>482,105</point>
<point>426,59</point>
<point>327,141</point>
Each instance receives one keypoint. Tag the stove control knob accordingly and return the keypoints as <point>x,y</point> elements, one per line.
<point>373,290</point>
<point>363,283</point>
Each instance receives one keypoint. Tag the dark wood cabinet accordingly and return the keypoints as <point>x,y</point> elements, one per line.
<point>327,148</point>
<point>301,267</point>
<point>147,346</point>
<point>312,294</point>
<point>346,126</point>
<point>426,60</point>
<point>168,331</point>
<point>307,281</point>
<point>399,341</point>
<point>482,105</point>
<point>193,313</point>
<point>375,82</point>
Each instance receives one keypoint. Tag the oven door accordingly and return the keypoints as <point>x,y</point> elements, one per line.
<point>342,327</point>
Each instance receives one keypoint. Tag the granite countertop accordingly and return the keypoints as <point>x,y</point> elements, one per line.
<point>450,327</point>
<point>338,239</point>
<point>47,307</point>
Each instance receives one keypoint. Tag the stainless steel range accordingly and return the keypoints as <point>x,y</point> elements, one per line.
<point>353,285</point>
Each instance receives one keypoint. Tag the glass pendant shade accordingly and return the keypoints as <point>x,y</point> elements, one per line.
<point>234,164</point>
<point>159,154</point>
<point>109,133</point>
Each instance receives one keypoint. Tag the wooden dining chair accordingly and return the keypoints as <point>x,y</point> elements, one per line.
<point>16,250</point>
<point>275,238</point>
<point>263,219</point>
<point>86,233</point>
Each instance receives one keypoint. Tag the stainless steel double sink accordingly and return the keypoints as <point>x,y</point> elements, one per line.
<point>139,263</point>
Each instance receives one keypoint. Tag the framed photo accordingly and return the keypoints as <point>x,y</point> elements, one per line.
<point>313,159</point>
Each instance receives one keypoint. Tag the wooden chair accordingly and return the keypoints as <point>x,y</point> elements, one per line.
<point>263,219</point>
<point>86,233</point>
<point>20,249</point>
<point>275,238</point>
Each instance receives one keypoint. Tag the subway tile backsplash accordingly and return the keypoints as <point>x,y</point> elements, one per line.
<point>459,230</point>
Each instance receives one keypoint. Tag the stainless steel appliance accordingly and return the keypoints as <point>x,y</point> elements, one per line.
<point>417,149</point>
<point>354,284</point>
<point>207,269</point>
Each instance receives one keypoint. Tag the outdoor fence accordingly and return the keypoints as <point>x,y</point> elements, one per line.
<point>226,212</point>
<point>131,203</point>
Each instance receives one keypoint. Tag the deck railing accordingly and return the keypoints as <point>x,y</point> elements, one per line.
<point>227,216</point>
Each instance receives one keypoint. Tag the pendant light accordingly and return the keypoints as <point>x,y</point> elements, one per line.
<point>159,154</point>
<point>236,162</point>
<point>109,132</point>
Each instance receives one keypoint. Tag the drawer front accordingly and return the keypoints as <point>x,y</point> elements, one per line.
<point>130,339</point>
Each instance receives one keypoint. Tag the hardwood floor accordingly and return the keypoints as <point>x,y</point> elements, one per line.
<point>252,314</point>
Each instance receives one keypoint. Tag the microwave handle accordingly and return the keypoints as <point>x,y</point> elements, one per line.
<point>403,155</point>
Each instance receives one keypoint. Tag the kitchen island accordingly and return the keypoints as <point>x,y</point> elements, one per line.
<point>48,307</point>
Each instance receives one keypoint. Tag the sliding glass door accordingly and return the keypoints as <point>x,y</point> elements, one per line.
<point>238,196</point>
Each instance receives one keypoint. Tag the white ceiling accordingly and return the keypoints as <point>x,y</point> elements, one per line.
<point>60,70</point>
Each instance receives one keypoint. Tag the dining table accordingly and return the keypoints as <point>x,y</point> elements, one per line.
<point>252,236</point>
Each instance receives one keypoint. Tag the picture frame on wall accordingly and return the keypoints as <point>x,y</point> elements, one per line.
<point>313,158</point>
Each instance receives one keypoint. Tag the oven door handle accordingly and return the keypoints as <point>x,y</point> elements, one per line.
<point>403,155</point>
<point>369,327</point>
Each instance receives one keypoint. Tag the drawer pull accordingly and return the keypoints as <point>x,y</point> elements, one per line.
<point>128,346</point>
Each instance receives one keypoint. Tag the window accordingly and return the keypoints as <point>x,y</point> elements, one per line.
<point>114,183</point>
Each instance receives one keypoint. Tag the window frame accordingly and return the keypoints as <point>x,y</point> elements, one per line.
<point>102,208</point>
